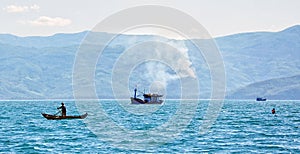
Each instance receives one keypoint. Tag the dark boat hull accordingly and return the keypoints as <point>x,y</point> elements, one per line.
<point>140,101</point>
<point>261,99</point>
<point>55,117</point>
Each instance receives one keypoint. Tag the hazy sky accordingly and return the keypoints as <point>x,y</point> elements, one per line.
<point>219,17</point>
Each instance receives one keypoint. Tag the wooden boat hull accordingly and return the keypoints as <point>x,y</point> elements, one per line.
<point>140,101</point>
<point>261,99</point>
<point>55,117</point>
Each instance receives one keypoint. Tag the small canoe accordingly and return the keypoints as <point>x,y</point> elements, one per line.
<point>55,117</point>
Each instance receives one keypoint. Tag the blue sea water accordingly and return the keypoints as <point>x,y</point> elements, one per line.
<point>241,126</point>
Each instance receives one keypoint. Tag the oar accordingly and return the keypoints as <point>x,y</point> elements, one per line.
<point>59,111</point>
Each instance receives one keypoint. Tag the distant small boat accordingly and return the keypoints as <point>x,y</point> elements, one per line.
<point>56,117</point>
<point>148,99</point>
<point>260,99</point>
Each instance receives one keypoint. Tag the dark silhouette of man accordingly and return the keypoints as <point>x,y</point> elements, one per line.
<point>63,109</point>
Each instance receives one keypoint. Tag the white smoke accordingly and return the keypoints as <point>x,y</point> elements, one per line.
<point>177,59</point>
<point>183,63</point>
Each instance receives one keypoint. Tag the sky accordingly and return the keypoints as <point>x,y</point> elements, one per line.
<point>218,17</point>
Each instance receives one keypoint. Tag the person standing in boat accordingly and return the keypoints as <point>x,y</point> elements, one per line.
<point>63,109</point>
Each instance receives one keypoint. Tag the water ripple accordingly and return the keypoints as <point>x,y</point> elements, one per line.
<point>242,127</point>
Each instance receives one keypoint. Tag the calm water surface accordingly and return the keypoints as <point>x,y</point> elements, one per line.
<point>242,126</point>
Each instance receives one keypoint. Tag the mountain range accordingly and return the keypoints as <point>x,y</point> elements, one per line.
<point>257,64</point>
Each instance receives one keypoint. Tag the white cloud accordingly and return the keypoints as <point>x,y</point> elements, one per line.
<point>20,9</point>
<point>35,7</point>
<point>48,21</point>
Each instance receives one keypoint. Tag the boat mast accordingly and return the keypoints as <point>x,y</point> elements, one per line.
<point>135,92</point>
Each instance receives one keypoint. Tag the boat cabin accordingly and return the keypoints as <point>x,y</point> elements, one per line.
<point>152,97</point>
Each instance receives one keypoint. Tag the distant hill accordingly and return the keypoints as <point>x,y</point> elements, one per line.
<point>260,56</point>
<point>288,88</point>
<point>57,40</point>
<point>41,67</point>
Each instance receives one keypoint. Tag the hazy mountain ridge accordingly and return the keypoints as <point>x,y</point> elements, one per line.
<point>41,67</point>
<point>255,57</point>
<point>57,40</point>
<point>288,88</point>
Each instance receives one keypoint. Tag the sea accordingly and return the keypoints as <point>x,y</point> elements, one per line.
<point>188,126</point>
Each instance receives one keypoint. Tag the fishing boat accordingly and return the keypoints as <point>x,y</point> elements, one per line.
<point>148,98</point>
<point>56,117</point>
<point>260,99</point>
